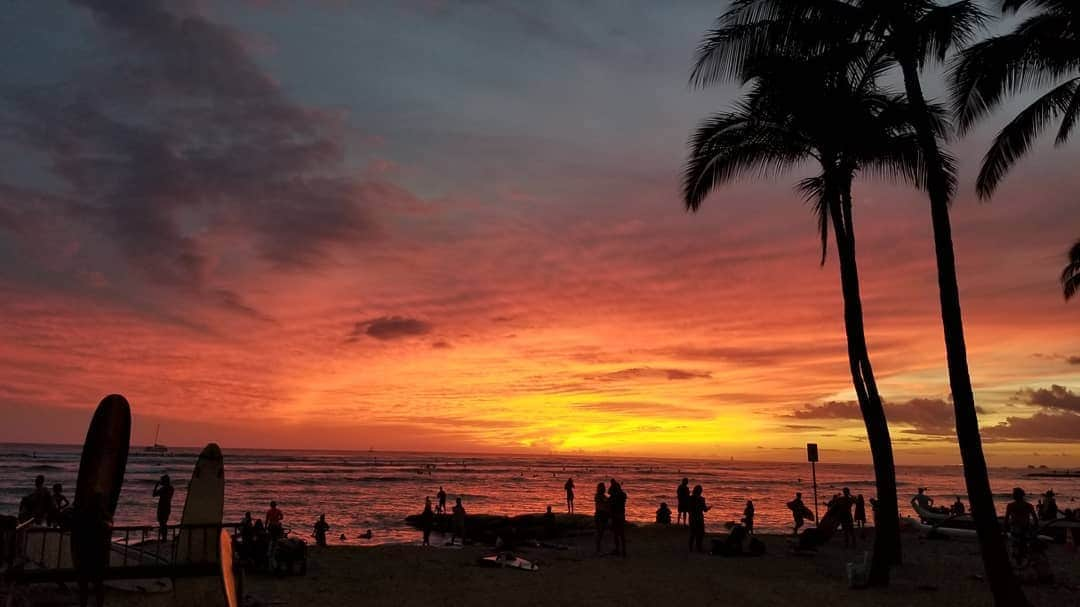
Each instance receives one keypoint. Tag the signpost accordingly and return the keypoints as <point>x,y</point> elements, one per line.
<point>812,457</point>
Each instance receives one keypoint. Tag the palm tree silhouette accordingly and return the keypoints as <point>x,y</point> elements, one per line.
<point>827,110</point>
<point>909,34</point>
<point>1070,276</point>
<point>1044,49</point>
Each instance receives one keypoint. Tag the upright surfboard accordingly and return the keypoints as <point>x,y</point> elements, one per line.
<point>228,576</point>
<point>205,505</point>
<point>104,454</point>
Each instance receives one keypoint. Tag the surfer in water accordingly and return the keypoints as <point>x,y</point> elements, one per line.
<point>569,487</point>
<point>274,517</point>
<point>163,490</point>
<point>441,495</point>
<point>321,527</point>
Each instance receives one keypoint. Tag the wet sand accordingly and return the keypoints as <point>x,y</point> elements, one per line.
<point>658,571</point>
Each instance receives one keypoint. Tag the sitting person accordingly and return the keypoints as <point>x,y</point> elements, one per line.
<point>957,507</point>
<point>663,514</point>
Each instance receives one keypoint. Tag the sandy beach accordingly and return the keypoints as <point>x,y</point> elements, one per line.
<point>658,571</point>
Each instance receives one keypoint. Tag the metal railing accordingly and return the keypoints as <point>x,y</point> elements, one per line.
<point>30,554</point>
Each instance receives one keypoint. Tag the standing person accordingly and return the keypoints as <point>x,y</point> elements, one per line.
<point>459,522</point>
<point>1020,523</point>
<point>798,511</point>
<point>682,501</point>
<point>60,505</point>
<point>695,511</point>
<point>1050,508</point>
<point>748,517</point>
<point>321,527</point>
<point>601,514</point>
<point>860,512</point>
<point>41,502</point>
<point>923,500</point>
<point>569,487</point>
<point>427,521</point>
<point>842,506</point>
<point>617,502</point>
<point>274,518</point>
<point>441,496</point>
<point>163,490</point>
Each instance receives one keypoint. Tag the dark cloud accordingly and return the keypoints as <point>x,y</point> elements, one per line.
<point>803,427</point>
<point>1073,360</point>
<point>929,416</point>
<point>1055,397</point>
<point>1042,427</point>
<point>650,373</point>
<point>390,327</point>
<point>441,345</point>
<point>177,133</point>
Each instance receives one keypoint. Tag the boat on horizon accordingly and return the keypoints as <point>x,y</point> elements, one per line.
<point>157,448</point>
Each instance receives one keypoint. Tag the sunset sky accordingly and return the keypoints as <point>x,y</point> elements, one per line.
<point>455,225</point>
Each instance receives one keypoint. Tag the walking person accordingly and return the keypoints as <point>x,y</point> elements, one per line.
<point>601,514</point>
<point>682,501</point>
<point>696,509</point>
<point>163,490</point>
<point>798,511</point>
<point>569,487</point>
<point>617,502</point>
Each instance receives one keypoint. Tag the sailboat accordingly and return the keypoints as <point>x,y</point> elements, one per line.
<point>156,448</point>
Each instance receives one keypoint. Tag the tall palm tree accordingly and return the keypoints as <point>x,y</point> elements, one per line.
<point>826,110</point>
<point>1043,49</point>
<point>910,34</point>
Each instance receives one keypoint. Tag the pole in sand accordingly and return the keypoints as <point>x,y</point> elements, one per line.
<point>811,456</point>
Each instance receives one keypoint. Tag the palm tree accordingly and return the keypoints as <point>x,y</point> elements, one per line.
<point>910,34</point>
<point>1070,276</point>
<point>1044,49</point>
<point>827,110</point>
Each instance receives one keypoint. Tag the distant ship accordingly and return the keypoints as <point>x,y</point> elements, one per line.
<point>156,448</point>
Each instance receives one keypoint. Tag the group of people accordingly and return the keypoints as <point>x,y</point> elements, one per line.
<point>44,507</point>
<point>427,518</point>
<point>610,510</point>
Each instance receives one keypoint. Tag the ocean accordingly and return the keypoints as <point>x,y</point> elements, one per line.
<point>376,490</point>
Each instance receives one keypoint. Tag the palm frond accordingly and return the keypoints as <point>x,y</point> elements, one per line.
<point>1070,276</point>
<point>814,191</point>
<point>944,28</point>
<point>1015,139</point>
<point>1068,120</point>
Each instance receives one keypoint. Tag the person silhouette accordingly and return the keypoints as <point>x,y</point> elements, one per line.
<point>427,521</point>
<point>617,502</point>
<point>441,495</point>
<point>695,514</point>
<point>569,487</point>
<point>798,511</point>
<point>748,517</point>
<point>163,490</point>
<point>601,514</point>
<point>321,527</point>
<point>682,501</point>
<point>459,522</point>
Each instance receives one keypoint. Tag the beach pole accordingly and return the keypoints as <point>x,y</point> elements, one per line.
<point>812,457</point>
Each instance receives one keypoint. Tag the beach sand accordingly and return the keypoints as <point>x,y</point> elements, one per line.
<point>658,571</point>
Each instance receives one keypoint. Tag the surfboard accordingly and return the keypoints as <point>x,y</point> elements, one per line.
<point>228,576</point>
<point>105,453</point>
<point>205,505</point>
<point>508,560</point>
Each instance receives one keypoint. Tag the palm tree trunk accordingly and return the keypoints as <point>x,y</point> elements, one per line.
<point>1003,583</point>
<point>887,523</point>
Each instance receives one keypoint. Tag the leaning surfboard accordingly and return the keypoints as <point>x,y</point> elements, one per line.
<point>228,575</point>
<point>198,541</point>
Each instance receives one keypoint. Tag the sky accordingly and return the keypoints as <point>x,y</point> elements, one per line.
<point>451,225</point>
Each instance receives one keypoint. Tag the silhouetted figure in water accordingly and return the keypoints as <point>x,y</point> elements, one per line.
<point>459,522</point>
<point>163,490</point>
<point>91,534</point>
<point>602,513</point>
<point>427,521</point>
<point>569,486</point>
<point>663,514</point>
<point>860,512</point>
<point>695,511</point>
<point>682,503</point>
<point>617,502</point>
<point>957,508</point>
<point>441,496</point>
<point>798,511</point>
<point>274,518</point>
<point>321,527</point>
<point>748,517</point>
